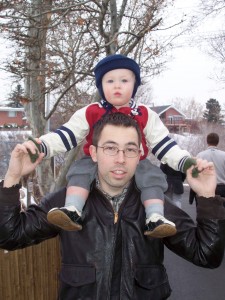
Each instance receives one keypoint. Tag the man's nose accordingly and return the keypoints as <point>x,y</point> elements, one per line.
<point>120,156</point>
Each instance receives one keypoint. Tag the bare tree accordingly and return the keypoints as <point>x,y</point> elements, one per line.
<point>212,6</point>
<point>57,43</point>
<point>190,107</point>
<point>214,9</point>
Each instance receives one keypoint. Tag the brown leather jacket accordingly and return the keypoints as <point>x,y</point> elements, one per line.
<point>115,261</point>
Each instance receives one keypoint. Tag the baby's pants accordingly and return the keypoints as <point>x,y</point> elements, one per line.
<point>150,180</point>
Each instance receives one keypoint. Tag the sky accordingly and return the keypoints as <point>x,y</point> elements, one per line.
<point>188,77</point>
<point>188,74</point>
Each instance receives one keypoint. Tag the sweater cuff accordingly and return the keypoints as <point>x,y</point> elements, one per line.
<point>9,195</point>
<point>211,208</point>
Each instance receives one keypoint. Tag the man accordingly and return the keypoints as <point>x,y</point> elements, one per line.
<point>111,258</point>
<point>213,154</point>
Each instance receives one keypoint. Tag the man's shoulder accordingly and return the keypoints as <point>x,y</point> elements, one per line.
<point>203,153</point>
<point>221,152</point>
<point>221,156</point>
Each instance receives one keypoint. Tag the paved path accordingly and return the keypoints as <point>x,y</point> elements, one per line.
<point>189,282</point>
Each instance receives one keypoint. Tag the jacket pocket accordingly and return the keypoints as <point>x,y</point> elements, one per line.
<point>77,275</point>
<point>151,282</point>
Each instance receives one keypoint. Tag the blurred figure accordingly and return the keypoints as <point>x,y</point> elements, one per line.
<point>175,181</point>
<point>213,154</point>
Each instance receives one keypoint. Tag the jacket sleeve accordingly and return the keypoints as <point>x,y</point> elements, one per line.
<point>163,147</point>
<point>20,229</point>
<point>67,136</point>
<point>203,244</point>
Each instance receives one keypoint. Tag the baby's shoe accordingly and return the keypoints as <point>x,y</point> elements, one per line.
<point>65,218</point>
<point>159,227</point>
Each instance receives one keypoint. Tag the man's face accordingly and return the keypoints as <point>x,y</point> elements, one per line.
<point>115,171</point>
<point>118,86</point>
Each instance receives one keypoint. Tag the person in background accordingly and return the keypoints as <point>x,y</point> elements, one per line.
<point>111,258</point>
<point>175,181</point>
<point>217,156</point>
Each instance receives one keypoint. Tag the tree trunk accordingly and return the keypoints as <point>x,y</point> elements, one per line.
<point>35,83</point>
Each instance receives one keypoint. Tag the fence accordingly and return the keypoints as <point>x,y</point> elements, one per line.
<point>30,273</point>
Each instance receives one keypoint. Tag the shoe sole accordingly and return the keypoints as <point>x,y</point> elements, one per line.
<point>58,218</point>
<point>161,231</point>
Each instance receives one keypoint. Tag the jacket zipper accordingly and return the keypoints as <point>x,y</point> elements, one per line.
<point>115,217</point>
<point>115,210</point>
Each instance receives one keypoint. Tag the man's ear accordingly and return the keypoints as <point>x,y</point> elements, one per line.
<point>93,152</point>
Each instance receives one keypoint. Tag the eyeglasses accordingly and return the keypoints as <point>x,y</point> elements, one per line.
<point>113,150</point>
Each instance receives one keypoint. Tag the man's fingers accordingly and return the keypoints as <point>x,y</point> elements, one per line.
<point>201,165</point>
<point>31,146</point>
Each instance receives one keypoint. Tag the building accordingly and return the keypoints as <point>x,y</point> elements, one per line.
<point>12,117</point>
<point>173,119</point>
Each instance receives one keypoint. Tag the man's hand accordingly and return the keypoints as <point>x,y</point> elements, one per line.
<point>20,164</point>
<point>205,184</point>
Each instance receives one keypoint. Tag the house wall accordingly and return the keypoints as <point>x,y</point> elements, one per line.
<point>174,121</point>
<point>171,112</point>
<point>6,119</point>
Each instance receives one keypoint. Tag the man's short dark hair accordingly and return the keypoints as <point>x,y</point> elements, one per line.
<point>115,119</point>
<point>213,139</point>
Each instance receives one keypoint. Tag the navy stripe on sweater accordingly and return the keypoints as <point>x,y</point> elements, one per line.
<point>44,148</point>
<point>160,144</point>
<point>64,139</point>
<point>181,163</point>
<point>166,149</point>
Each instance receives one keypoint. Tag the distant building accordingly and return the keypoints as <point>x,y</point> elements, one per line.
<point>12,117</point>
<point>173,119</point>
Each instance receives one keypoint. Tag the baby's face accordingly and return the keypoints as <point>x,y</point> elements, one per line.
<point>118,86</point>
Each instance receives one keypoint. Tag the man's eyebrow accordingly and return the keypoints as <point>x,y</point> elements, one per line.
<point>114,143</point>
<point>109,142</point>
<point>132,144</point>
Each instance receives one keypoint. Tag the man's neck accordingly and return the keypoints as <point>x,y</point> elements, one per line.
<point>112,194</point>
<point>212,146</point>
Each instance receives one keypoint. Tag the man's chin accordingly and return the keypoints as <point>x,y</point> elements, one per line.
<point>120,184</point>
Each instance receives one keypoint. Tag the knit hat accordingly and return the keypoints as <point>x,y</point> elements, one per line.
<point>112,62</point>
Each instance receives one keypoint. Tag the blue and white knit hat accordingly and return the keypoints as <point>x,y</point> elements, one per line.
<point>112,62</point>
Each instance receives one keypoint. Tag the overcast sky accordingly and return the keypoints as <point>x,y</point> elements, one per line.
<point>188,73</point>
<point>187,77</point>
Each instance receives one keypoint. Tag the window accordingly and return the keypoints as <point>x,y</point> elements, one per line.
<point>12,114</point>
<point>175,119</point>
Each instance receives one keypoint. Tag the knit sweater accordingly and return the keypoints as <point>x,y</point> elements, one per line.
<point>80,127</point>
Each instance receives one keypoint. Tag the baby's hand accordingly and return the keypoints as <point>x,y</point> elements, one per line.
<point>33,148</point>
<point>189,163</point>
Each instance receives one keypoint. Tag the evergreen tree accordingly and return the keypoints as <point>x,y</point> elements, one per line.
<point>212,113</point>
<point>14,97</point>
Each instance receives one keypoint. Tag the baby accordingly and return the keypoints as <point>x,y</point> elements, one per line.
<point>117,79</point>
